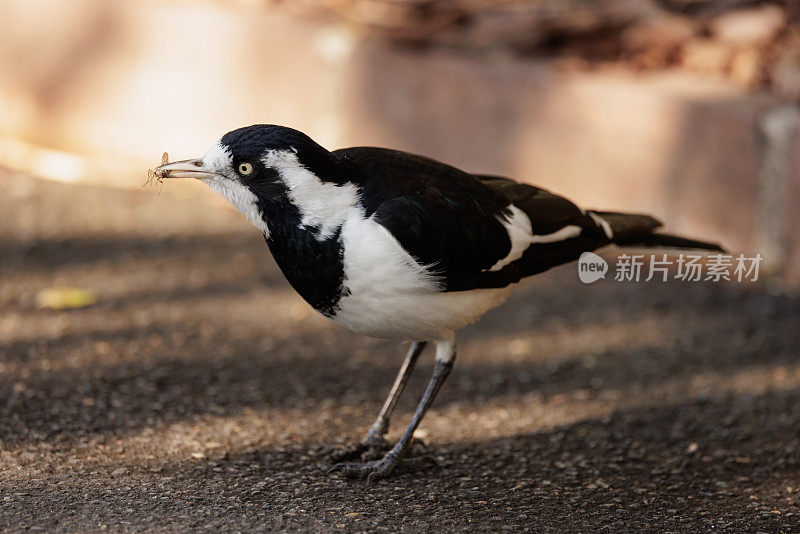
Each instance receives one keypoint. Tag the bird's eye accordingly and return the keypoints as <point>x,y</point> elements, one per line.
<point>245,168</point>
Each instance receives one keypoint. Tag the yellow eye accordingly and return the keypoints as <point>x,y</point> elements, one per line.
<point>245,168</point>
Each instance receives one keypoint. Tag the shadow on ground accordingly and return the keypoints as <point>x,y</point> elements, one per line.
<point>200,392</point>
<point>697,465</point>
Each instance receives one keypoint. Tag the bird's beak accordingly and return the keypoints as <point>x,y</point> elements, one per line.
<point>187,168</point>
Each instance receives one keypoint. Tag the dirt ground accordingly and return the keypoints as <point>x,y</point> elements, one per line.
<point>200,393</point>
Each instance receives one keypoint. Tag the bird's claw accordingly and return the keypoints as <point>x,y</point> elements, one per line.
<point>370,448</point>
<point>373,470</point>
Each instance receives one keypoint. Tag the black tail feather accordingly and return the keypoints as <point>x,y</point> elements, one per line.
<point>671,241</point>
<point>636,230</point>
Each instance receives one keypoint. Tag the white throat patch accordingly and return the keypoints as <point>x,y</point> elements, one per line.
<point>219,159</point>
<point>322,205</point>
<point>242,199</point>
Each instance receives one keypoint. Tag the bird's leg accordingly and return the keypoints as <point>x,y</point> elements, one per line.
<point>377,469</point>
<point>373,443</point>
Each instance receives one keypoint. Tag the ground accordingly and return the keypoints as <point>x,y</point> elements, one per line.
<point>201,393</point>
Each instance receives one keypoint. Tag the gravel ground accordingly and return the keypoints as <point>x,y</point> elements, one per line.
<point>200,393</point>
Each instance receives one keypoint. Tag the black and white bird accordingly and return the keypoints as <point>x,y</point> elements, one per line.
<point>394,245</point>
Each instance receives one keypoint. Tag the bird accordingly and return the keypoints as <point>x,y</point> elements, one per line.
<point>399,246</point>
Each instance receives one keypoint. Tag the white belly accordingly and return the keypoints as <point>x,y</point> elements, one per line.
<point>392,296</point>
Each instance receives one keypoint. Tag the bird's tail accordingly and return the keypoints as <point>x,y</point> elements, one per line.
<point>636,230</point>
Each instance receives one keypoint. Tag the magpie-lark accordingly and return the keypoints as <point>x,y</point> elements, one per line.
<point>395,245</point>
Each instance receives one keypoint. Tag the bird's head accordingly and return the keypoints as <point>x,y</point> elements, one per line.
<point>249,166</point>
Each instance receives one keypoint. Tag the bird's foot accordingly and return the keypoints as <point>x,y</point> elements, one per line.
<point>373,470</point>
<point>369,448</point>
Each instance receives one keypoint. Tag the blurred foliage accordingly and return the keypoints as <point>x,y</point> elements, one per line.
<point>755,44</point>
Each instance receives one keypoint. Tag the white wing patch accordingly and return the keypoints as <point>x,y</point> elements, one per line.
<point>602,223</point>
<point>568,232</point>
<point>519,231</point>
<point>518,226</point>
<point>322,205</point>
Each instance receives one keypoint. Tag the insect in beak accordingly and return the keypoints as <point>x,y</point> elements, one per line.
<point>187,168</point>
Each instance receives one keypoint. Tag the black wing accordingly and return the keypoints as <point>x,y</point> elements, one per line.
<point>451,220</point>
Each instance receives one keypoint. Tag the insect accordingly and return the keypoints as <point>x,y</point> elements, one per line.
<point>157,175</point>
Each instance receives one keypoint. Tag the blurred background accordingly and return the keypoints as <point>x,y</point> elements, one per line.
<point>149,337</point>
<point>686,108</point>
